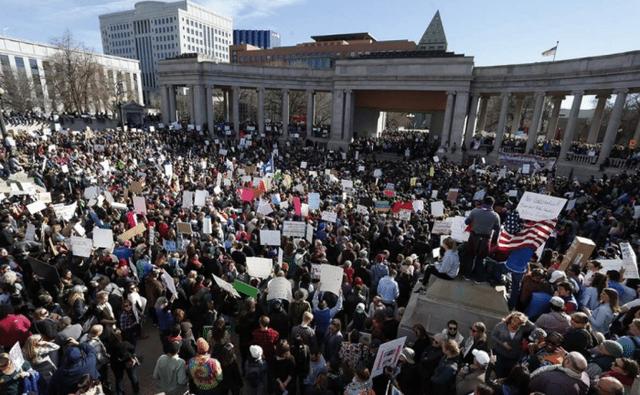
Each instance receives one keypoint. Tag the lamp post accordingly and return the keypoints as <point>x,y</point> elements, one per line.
<point>2,129</point>
<point>119,93</point>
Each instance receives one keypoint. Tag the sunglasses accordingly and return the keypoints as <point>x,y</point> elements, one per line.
<point>453,328</point>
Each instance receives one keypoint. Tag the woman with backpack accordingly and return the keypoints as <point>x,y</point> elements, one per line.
<point>255,371</point>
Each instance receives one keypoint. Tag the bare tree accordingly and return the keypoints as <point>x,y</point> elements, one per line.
<point>77,78</point>
<point>20,95</point>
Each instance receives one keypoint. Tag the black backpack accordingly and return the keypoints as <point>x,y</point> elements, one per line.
<point>636,351</point>
<point>254,373</point>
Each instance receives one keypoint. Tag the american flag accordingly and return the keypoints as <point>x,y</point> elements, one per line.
<point>518,233</point>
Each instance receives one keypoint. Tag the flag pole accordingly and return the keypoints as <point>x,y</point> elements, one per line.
<point>556,51</point>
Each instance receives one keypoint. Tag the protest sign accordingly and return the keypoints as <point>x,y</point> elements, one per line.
<point>441,228</point>
<point>377,173</point>
<point>458,229</point>
<point>279,288</point>
<point>102,238</point>
<point>44,197</point>
<point>418,205</point>
<point>245,289</point>
<point>269,237</point>
<point>629,260</point>
<point>36,207</point>
<point>259,267</point>
<point>538,207</point>
<point>295,229</point>
<point>437,208</point>
<point>206,226</point>
<point>187,199</point>
<point>226,286</point>
<point>200,198</point>
<point>388,355</point>
<point>139,205</point>
<point>452,195</point>
<point>30,232</point>
<point>331,278</point>
<point>81,246</point>
<point>169,245</point>
<point>310,231</point>
<point>264,207</point>
<point>47,272</point>
<point>382,205</point>
<point>303,165</point>
<point>479,195</point>
<point>329,216</point>
<point>184,228</point>
<point>129,234</point>
<point>16,357</point>
<point>314,201</point>
<point>136,187</point>
<point>246,194</point>
<point>169,283</point>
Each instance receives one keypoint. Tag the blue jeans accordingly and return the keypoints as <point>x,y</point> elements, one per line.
<point>516,282</point>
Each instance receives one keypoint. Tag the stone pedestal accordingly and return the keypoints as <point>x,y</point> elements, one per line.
<point>463,301</point>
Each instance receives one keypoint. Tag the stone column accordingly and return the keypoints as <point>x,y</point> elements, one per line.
<point>337,115</point>
<point>260,110</point>
<point>457,121</point>
<point>236,110</point>
<point>348,115</point>
<point>164,101</point>
<point>210,112</point>
<point>613,125</point>
<point>227,106</point>
<point>596,121</point>
<point>567,138</point>
<point>310,112</point>
<point>517,115</point>
<point>192,104</point>
<point>446,125</point>
<point>285,113</point>
<point>482,117</point>
<point>199,105</point>
<point>636,134</point>
<point>172,103</point>
<point>532,136</point>
<point>552,125</point>
<point>502,123</point>
<point>471,121</point>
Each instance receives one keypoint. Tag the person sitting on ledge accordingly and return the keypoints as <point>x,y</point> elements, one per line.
<point>448,268</point>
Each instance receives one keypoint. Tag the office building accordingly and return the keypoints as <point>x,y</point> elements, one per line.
<point>156,30</point>
<point>264,39</point>
<point>32,60</point>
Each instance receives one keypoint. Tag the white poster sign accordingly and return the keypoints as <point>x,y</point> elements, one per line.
<point>418,205</point>
<point>458,229</point>
<point>81,246</point>
<point>200,198</point>
<point>169,282</point>
<point>139,205</point>
<point>314,201</point>
<point>538,207</point>
<point>15,355</point>
<point>103,238</point>
<point>269,237</point>
<point>279,288</point>
<point>331,278</point>
<point>226,286</point>
<point>259,267</point>
<point>388,355</point>
<point>187,199</point>
<point>206,226</point>
<point>329,216</point>
<point>295,229</point>
<point>310,231</point>
<point>36,207</point>
<point>441,228</point>
<point>437,208</point>
<point>629,259</point>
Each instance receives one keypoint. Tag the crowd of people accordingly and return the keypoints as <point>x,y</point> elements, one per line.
<point>179,270</point>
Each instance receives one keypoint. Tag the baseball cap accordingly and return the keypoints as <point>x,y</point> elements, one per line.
<point>481,357</point>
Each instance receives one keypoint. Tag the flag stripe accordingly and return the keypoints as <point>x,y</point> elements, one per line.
<point>533,235</point>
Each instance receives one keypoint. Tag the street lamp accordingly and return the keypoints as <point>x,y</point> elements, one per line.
<point>119,93</point>
<point>2,129</point>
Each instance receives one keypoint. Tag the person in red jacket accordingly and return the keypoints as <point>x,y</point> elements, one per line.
<point>13,327</point>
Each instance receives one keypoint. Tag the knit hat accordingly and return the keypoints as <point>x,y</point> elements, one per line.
<point>255,351</point>
<point>202,346</point>
<point>557,301</point>
<point>481,357</point>
<point>613,348</point>
<point>556,276</point>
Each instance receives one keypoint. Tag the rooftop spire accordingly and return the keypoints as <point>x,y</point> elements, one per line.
<point>433,38</point>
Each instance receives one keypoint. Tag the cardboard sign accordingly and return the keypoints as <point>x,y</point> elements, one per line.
<point>296,229</point>
<point>102,238</point>
<point>437,208</point>
<point>331,278</point>
<point>259,267</point>
<point>388,355</point>
<point>133,232</point>
<point>136,187</point>
<point>578,253</point>
<point>184,228</point>
<point>279,288</point>
<point>452,195</point>
<point>269,237</point>
<point>538,207</point>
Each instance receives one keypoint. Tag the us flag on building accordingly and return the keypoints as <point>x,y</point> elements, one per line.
<point>518,233</point>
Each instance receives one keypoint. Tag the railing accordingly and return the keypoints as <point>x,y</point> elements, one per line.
<point>621,163</point>
<point>582,159</point>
